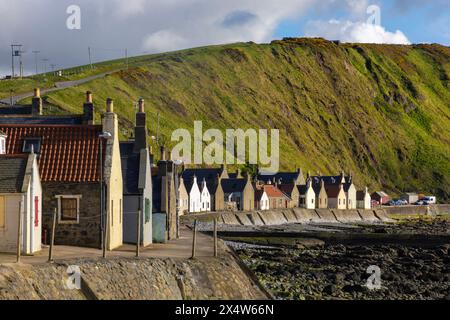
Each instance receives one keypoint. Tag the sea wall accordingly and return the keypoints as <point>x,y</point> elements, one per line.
<point>295,215</point>
<point>136,279</point>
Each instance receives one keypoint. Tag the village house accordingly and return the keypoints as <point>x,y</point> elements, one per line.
<point>137,183</point>
<point>205,198</point>
<point>261,200</point>
<point>320,192</point>
<point>292,191</point>
<point>20,196</point>
<point>183,205</point>
<point>165,181</point>
<point>212,177</point>
<point>336,196</point>
<point>80,169</point>
<point>238,194</point>
<point>277,199</point>
<point>350,193</point>
<point>381,197</point>
<point>364,201</point>
<point>307,195</point>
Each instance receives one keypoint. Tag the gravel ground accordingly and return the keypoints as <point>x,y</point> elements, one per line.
<point>340,271</point>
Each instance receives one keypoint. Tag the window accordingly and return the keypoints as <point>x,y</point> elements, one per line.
<point>312,201</point>
<point>36,212</point>
<point>2,145</point>
<point>28,143</point>
<point>69,209</point>
<point>2,213</point>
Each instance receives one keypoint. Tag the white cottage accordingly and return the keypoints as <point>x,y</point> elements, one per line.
<point>307,195</point>
<point>20,196</point>
<point>205,198</point>
<point>350,193</point>
<point>195,202</point>
<point>261,200</point>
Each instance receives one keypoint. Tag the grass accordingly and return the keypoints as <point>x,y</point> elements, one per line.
<point>378,111</point>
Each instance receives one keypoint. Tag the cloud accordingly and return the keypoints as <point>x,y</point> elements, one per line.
<point>110,26</point>
<point>163,41</point>
<point>359,32</point>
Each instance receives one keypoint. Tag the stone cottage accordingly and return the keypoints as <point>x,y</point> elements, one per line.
<point>363,199</point>
<point>68,149</point>
<point>336,196</point>
<point>239,193</point>
<point>137,182</point>
<point>20,195</point>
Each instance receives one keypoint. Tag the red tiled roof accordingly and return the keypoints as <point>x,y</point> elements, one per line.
<point>69,153</point>
<point>273,192</point>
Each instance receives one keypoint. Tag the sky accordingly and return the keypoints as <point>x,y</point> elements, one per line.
<point>62,30</point>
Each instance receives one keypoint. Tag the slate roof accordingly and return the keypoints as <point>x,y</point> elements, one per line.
<point>360,195</point>
<point>209,174</point>
<point>62,120</point>
<point>287,188</point>
<point>68,153</point>
<point>15,110</point>
<point>332,190</point>
<point>233,185</point>
<point>130,168</point>
<point>283,177</point>
<point>12,173</point>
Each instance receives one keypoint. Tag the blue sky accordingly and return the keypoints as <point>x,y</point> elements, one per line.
<point>150,26</point>
<point>420,21</point>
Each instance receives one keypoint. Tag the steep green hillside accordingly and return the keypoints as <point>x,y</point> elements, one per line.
<point>382,112</point>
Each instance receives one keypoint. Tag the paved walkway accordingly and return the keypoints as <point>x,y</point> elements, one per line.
<point>178,249</point>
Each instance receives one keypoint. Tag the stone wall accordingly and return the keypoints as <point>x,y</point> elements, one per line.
<point>135,279</point>
<point>87,232</point>
<point>294,215</point>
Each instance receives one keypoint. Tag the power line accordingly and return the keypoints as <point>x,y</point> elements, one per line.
<point>36,59</point>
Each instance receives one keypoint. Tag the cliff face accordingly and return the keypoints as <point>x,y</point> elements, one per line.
<point>380,111</point>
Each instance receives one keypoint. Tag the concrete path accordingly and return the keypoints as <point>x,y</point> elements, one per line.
<point>180,248</point>
<point>58,86</point>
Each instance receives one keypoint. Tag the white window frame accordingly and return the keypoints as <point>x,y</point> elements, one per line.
<point>78,198</point>
<point>2,145</point>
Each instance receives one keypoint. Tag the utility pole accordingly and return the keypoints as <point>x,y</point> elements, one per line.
<point>53,66</point>
<point>157,129</point>
<point>36,59</point>
<point>90,57</point>
<point>16,51</point>
<point>45,64</point>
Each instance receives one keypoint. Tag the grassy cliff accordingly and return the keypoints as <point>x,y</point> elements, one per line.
<point>380,111</point>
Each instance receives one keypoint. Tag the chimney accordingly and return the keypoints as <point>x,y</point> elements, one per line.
<point>140,130</point>
<point>163,153</point>
<point>36,103</point>
<point>109,105</point>
<point>238,174</point>
<point>152,157</point>
<point>88,110</point>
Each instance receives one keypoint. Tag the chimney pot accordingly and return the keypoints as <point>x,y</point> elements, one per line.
<point>89,97</point>
<point>141,105</point>
<point>109,105</point>
<point>37,92</point>
<point>163,153</point>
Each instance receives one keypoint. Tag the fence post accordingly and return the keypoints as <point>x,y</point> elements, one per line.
<point>52,241</point>
<point>19,233</point>
<point>138,242</point>
<point>194,240</point>
<point>215,237</point>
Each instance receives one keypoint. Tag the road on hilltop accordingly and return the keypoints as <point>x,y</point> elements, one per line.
<point>58,86</point>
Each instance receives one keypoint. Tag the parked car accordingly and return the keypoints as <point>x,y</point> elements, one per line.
<point>375,203</point>
<point>419,203</point>
<point>429,200</point>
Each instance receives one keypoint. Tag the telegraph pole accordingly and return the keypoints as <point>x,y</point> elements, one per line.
<point>45,64</point>
<point>90,57</point>
<point>36,59</point>
<point>16,51</point>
